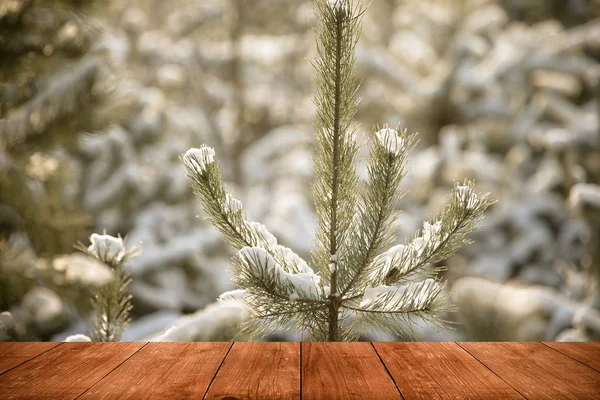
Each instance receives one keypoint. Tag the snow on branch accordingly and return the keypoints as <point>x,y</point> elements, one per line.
<point>111,302</point>
<point>416,296</point>
<point>355,276</point>
<point>256,268</point>
<point>226,213</point>
<point>439,238</point>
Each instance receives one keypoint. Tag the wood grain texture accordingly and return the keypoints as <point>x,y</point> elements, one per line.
<point>13,354</point>
<point>537,371</point>
<point>65,371</point>
<point>258,371</point>
<point>586,353</point>
<point>344,371</point>
<point>163,371</point>
<point>441,371</point>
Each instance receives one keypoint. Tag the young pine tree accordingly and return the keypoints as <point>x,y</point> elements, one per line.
<point>111,303</point>
<point>357,283</point>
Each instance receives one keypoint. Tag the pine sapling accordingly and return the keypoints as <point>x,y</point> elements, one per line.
<point>359,281</point>
<point>111,302</point>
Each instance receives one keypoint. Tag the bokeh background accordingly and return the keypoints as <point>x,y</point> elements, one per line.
<point>99,98</point>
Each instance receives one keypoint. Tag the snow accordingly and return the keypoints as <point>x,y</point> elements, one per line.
<point>149,324</point>
<point>410,297</point>
<point>232,296</point>
<point>389,138</point>
<point>293,296</point>
<point>78,338</point>
<point>306,284</point>
<point>7,321</point>
<point>205,325</point>
<point>232,205</point>
<point>82,269</point>
<point>585,194</point>
<point>292,261</point>
<point>43,307</point>
<point>178,249</point>
<point>334,258</point>
<point>199,159</point>
<point>258,258</point>
<point>418,245</point>
<point>107,248</point>
<point>465,194</point>
<point>338,4</point>
<point>397,257</point>
<point>431,231</point>
<point>332,267</point>
<point>372,294</point>
<point>260,262</point>
<point>261,232</point>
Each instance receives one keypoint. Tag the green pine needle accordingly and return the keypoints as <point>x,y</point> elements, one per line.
<point>355,281</point>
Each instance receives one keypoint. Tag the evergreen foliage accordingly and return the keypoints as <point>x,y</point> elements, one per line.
<point>111,302</point>
<point>357,285</point>
<point>52,86</point>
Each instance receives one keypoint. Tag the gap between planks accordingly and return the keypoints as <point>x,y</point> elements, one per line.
<point>388,371</point>
<point>217,371</point>
<point>538,371</point>
<point>30,357</point>
<point>596,347</point>
<point>112,370</point>
<point>491,370</point>
<point>573,353</point>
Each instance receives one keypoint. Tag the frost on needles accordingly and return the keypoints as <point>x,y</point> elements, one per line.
<point>355,280</point>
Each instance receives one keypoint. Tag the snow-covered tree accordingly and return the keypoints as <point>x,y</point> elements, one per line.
<point>54,84</point>
<point>353,281</point>
<point>111,302</point>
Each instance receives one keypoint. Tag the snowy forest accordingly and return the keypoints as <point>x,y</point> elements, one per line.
<point>101,102</point>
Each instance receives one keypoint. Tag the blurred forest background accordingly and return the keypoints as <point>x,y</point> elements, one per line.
<point>99,98</point>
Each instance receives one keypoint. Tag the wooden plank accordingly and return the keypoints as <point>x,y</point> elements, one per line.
<point>441,371</point>
<point>586,353</point>
<point>258,371</point>
<point>165,371</point>
<point>344,371</point>
<point>65,371</point>
<point>16,353</point>
<point>537,371</point>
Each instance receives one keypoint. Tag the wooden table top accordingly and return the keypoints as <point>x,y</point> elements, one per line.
<point>300,370</point>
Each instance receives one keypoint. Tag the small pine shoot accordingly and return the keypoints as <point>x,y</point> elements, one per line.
<point>353,283</point>
<point>111,302</point>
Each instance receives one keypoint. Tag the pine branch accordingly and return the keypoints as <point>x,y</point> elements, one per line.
<point>255,269</point>
<point>394,309</point>
<point>271,314</point>
<point>279,289</point>
<point>439,239</point>
<point>111,302</point>
<point>376,217</point>
<point>335,169</point>
<point>225,213</point>
<point>64,97</point>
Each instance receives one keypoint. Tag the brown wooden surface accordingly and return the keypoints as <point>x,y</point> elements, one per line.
<point>586,353</point>
<point>299,370</point>
<point>441,371</point>
<point>163,371</point>
<point>537,371</point>
<point>65,371</point>
<point>13,354</point>
<point>258,371</point>
<point>344,371</point>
